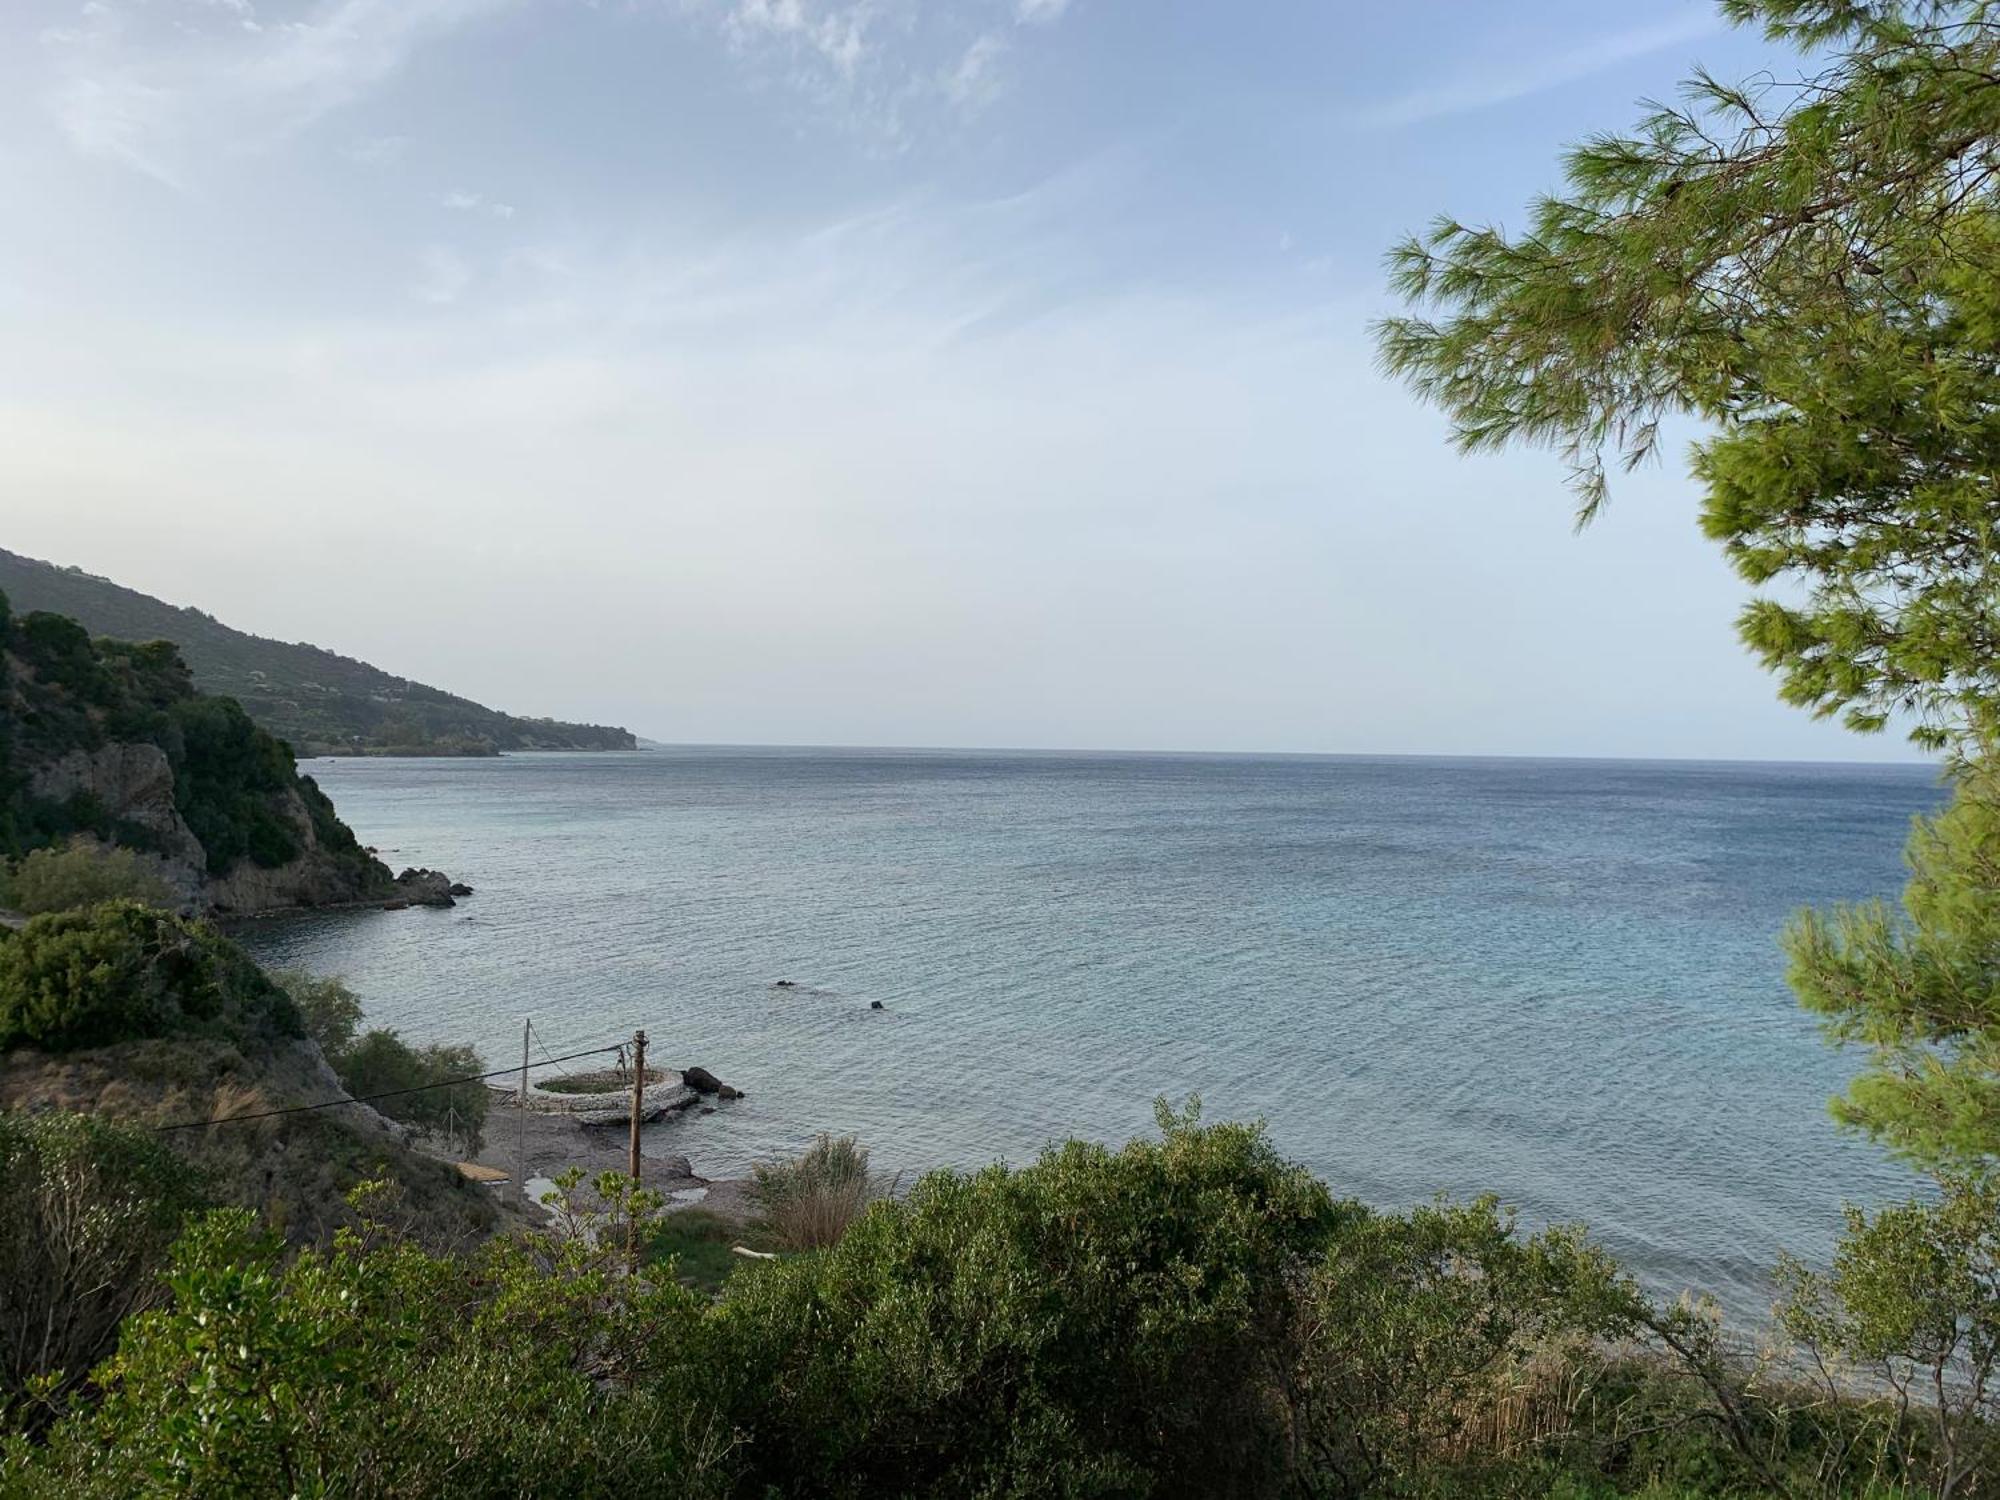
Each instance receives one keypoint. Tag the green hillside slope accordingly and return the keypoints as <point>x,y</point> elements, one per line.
<point>109,739</point>
<point>323,703</point>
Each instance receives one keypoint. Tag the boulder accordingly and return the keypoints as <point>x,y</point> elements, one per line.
<point>425,888</point>
<point>460,888</point>
<point>875,1005</point>
<point>704,1082</point>
<point>673,1166</point>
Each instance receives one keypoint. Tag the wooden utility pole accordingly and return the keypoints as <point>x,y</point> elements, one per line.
<point>638,1113</point>
<point>521,1111</point>
<point>638,1099</point>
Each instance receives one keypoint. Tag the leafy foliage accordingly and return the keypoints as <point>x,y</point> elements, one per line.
<point>375,1369</point>
<point>88,1210</point>
<point>382,1062</point>
<point>1415,1328</point>
<point>1813,269</point>
<point>329,1010</point>
<point>1098,1323</point>
<point>1914,1299</point>
<point>83,873</point>
<point>1920,989</point>
<point>122,971</point>
<point>1188,1316</point>
<point>229,783</point>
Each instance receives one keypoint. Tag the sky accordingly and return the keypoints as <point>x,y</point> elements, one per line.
<point>902,372</point>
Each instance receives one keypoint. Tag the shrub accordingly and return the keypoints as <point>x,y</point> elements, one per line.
<point>328,1009</point>
<point>83,874</point>
<point>123,971</point>
<point>1102,1322</point>
<point>382,1062</point>
<point>376,1369</point>
<point>87,1212</point>
<point>1422,1331</point>
<point>1913,1300</point>
<point>809,1202</point>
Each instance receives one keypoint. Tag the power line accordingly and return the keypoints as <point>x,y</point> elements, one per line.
<point>540,1041</point>
<point>300,1109</point>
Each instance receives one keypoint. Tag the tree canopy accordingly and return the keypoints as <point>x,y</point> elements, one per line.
<point>1812,268</point>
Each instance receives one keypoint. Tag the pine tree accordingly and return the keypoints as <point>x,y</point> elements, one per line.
<point>1813,270</point>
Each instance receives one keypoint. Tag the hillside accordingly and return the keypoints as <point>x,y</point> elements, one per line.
<point>109,740</point>
<point>148,1019</point>
<point>319,702</point>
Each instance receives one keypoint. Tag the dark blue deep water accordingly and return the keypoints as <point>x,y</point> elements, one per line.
<point>1554,980</point>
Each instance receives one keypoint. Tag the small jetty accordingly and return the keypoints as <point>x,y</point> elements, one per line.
<point>603,1097</point>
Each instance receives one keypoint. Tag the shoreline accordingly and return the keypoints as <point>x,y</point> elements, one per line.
<point>530,1144</point>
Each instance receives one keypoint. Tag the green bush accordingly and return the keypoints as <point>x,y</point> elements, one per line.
<point>123,971</point>
<point>82,874</point>
<point>1191,1316</point>
<point>328,1008</point>
<point>382,1062</point>
<point>88,1210</point>
<point>1423,1331</point>
<point>1102,1322</point>
<point>375,1369</point>
<point>235,785</point>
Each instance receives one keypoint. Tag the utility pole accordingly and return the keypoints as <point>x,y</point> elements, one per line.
<point>638,1109</point>
<point>521,1112</point>
<point>638,1099</point>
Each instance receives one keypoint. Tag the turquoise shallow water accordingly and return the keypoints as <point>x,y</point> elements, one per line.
<point>1557,981</point>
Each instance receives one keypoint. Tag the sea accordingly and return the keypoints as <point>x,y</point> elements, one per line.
<point>1557,981</point>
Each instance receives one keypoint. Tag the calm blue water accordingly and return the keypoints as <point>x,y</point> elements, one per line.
<point>1554,980</point>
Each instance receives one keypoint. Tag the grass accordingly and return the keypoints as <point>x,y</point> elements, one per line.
<point>594,1083</point>
<point>701,1244</point>
<point>809,1203</point>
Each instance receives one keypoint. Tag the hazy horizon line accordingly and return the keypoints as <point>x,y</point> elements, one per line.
<point>652,745</point>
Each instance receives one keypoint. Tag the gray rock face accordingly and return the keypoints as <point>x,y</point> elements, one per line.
<point>427,888</point>
<point>134,784</point>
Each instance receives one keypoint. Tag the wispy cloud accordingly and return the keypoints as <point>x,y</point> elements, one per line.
<point>1039,12</point>
<point>878,66</point>
<point>158,93</point>
<point>476,203</point>
<point>976,80</point>
<point>1494,83</point>
<point>836,35</point>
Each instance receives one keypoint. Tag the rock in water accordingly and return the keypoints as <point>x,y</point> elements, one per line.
<point>425,888</point>
<point>704,1082</point>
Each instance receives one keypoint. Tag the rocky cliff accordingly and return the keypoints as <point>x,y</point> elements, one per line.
<point>109,741</point>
